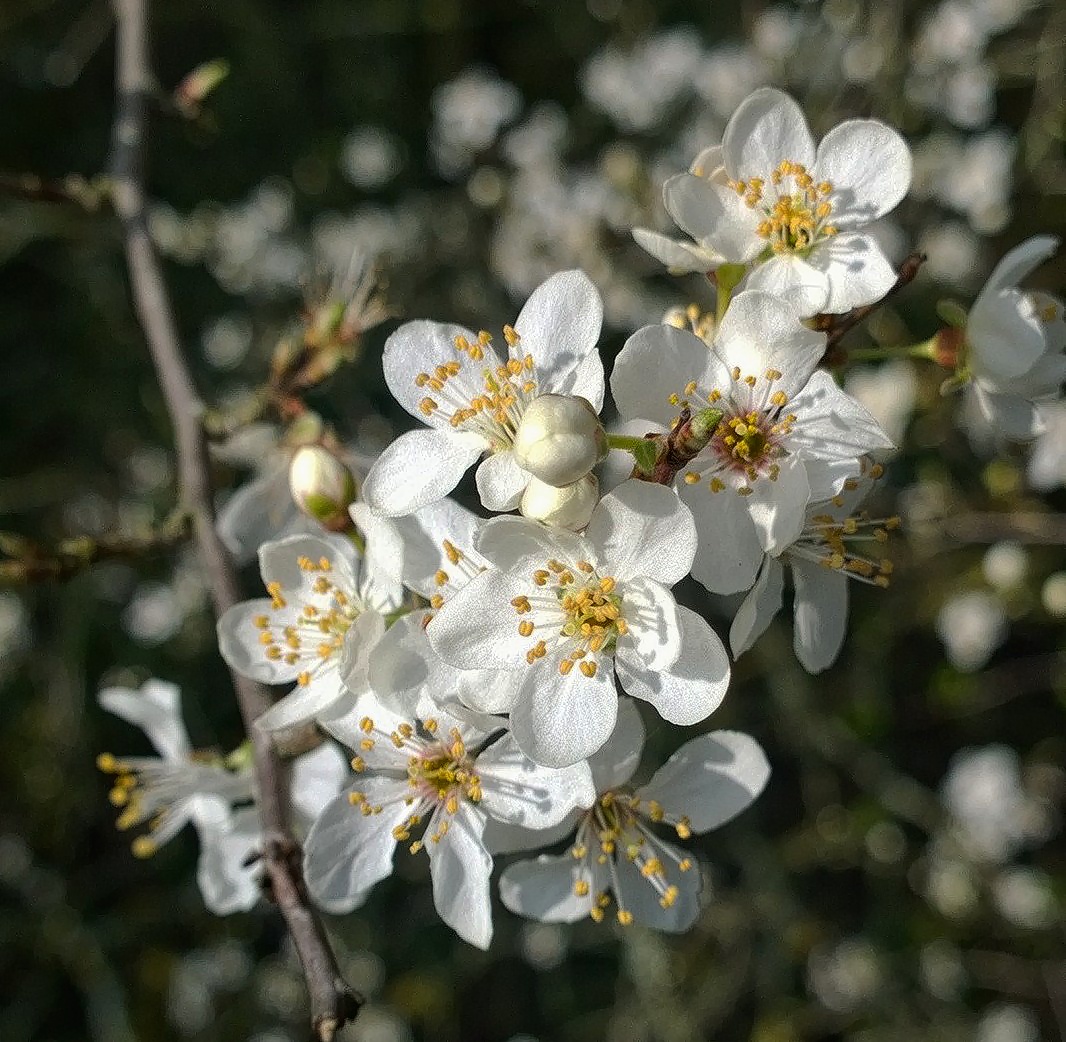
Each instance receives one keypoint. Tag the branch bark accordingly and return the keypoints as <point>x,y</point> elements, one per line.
<point>333,1004</point>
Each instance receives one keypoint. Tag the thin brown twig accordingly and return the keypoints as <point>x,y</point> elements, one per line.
<point>333,1004</point>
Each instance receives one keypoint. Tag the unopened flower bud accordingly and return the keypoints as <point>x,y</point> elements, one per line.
<point>559,439</point>
<point>322,486</point>
<point>568,507</point>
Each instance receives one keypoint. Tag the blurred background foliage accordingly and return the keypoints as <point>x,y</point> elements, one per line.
<point>904,875</point>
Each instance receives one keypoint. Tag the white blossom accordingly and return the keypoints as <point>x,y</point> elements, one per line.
<point>788,434</point>
<point>432,553</point>
<point>1014,344</point>
<point>473,401</point>
<point>569,612</point>
<point>324,613</point>
<point>795,212</point>
<point>432,784</point>
<point>617,848</point>
<point>182,786</point>
<point>836,544</point>
<point>682,257</point>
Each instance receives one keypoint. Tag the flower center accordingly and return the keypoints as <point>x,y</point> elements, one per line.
<point>315,635</point>
<point>492,410</point>
<point>616,827</point>
<point>579,608</point>
<point>440,773</point>
<point>797,215</point>
<point>749,439</point>
<point>147,789</point>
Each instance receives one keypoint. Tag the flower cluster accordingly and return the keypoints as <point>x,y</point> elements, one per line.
<point>485,674</point>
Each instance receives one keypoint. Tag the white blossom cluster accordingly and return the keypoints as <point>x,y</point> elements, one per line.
<point>484,674</point>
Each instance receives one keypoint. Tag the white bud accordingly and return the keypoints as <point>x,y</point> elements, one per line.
<point>322,486</point>
<point>568,507</point>
<point>559,439</point>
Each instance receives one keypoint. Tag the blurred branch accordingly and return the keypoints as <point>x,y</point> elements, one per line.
<point>333,1004</point>
<point>25,561</point>
<point>71,189</point>
<point>991,527</point>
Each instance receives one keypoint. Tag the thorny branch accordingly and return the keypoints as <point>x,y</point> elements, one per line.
<point>333,1004</point>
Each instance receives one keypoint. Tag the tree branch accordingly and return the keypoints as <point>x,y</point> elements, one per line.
<point>333,1004</point>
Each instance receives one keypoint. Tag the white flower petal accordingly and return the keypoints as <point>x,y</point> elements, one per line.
<point>694,686</point>
<point>461,867</point>
<point>615,761</point>
<point>653,637</point>
<point>856,270</point>
<point>1025,258</point>
<point>317,777</point>
<point>259,510</point>
<point>227,881</point>
<point>710,779</point>
<point>1005,335</point>
<point>559,326</point>
<point>585,381</point>
<point>544,889</point>
<point>767,127</point>
<point>518,791</point>
<point>760,606</point>
<point>869,166</point>
<point>715,216</point>
<point>801,285</point>
<point>241,648</point>
<point>419,468</point>
<point>516,542</point>
<point>560,720</point>
<point>362,636</point>
<point>500,481</point>
<point>821,614</point>
<point>421,346</point>
<point>346,851</point>
<point>486,690</point>
<point>642,528</point>
<point>761,332</point>
<point>1010,415</point>
<point>477,628</point>
<point>403,668</point>
<point>680,258</point>
<point>778,508</point>
<point>655,363</point>
<point>411,548</point>
<point>279,561</point>
<point>304,702</point>
<point>831,424</point>
<point>641,899</point>
<point>156,709</point>
<point>729,551</point>
<point>708,164</point>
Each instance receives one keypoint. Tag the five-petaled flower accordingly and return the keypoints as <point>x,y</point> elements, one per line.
<point>787,434</point>
<point>796,212</point>
<point>215,793</point>
<point>472,399</point>
<point>569,612</point>
<point>324,614</point>
<point>617,848</point>
<point>431,784</point>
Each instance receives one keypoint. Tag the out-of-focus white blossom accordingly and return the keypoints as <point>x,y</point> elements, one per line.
<point>971,626</point>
